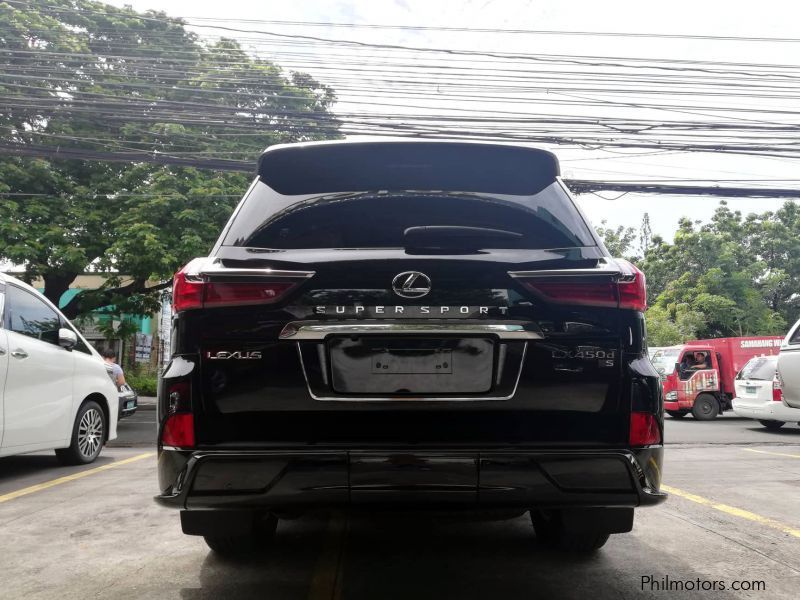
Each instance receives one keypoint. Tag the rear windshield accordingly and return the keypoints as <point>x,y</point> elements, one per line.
<point>547,219</point>
<point>761,368</point>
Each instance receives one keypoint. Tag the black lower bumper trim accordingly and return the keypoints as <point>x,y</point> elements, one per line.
<point>291,479</point>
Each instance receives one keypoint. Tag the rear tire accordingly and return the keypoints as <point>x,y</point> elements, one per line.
<point>773,425</point>
<point>240,546</point>
<point>88,436</point>
<point>706,407</point>
<point>550,531</point>
<point>677,414</point>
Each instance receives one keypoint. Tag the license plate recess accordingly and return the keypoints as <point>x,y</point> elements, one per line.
<point>411,366</point>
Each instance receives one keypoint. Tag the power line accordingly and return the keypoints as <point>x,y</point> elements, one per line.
<point>578,186</point>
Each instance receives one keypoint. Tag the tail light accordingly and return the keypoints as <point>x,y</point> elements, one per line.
<point>194,291</point>
<point>644,429</point>
<point>178,430</point>
<point>777,389</point>
<point>628,291</point>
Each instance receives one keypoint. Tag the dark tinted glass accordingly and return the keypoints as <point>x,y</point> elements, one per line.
<point>28,315</point>
<point>547,219</point>
<point>761,368</point>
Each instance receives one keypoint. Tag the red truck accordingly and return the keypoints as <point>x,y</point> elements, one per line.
<point>698,376</point>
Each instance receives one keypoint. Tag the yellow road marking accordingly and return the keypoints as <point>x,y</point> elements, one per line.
<point>326,580</point>
<point>773,453</point>
<point>66,479</point>
<point>732,510</point>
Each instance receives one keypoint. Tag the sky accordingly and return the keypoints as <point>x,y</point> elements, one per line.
<point>767,18</point>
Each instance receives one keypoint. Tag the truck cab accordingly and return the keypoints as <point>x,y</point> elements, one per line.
<point>693,385</point>
<point>698,377</point>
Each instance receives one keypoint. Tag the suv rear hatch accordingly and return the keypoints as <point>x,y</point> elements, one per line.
<point>354,306</point>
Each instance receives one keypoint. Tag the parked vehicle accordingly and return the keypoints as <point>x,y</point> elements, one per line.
<point>128,401</point>
<point>356,340</point>
<point>700,379</point>
<point>759,395</point>
<point>789,367</point>
<point>55,392</point>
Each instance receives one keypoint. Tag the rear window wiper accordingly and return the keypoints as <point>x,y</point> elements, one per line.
<point>455,237</point>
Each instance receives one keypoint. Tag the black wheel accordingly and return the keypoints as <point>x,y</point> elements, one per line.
<point>677,414</point>
<point>240,546</point>
<point>88,436</point>
<point>705,407</point>
<point>773,425</point>
<point>550,532</point>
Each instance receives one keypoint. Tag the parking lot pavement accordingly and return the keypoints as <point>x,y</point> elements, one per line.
<point>138,430</point>
<point>727,429</point>
<point>732,517</point>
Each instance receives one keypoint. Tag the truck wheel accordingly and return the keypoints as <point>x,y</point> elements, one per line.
<point>240,546</point>
<point>550,532</point>
<point>677,414</point>
<point>705,407</point>
<point>773,425</point>
<point>88,436</point>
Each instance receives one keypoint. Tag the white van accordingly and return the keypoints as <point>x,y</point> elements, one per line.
<point>55,391</point>
<point>789,367</point>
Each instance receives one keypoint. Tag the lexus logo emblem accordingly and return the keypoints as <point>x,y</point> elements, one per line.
<point>411,284</point>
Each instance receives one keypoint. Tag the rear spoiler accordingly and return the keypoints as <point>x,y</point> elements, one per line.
<point>341,166</point>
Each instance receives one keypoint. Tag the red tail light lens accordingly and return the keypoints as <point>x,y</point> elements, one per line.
<point>632,289</point>
<point>777,390</point>
<point>644,429</point>
<point>237,294</point>
<point>194,292</point>
<point>186,293</point>
<point>585,294</point>
<point>629,291</point>
<point>179,431</point>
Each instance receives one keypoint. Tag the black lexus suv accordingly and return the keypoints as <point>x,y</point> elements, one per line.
<point>409,326</point>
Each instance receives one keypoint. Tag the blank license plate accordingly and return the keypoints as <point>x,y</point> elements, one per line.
<point>413,366</point>
<point>412,362</point>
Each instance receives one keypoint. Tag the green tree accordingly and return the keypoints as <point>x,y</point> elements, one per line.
<point>733,276</point>
<point>618,240</point>
<point>82,74</point>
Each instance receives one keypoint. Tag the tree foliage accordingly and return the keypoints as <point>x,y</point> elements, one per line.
<point>733,276</point>
<point>59,218</point>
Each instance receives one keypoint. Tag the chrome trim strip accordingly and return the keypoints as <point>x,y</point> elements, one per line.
<point>319,330</point>
<point>215,268</point>
<point>414,398</point>
<point>602,269</point>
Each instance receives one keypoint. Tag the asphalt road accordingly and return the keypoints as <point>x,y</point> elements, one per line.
<point>94,532</point>
<point>138,430</point>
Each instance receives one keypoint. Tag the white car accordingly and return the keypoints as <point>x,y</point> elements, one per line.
<point>789,367</point>
<point>55,391</point>
<point>759,395</point>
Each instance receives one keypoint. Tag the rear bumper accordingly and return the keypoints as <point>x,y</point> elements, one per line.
<point>409,478</point>
<point>767,411</point>
<point>679,405</point>
<point>127,406</point>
